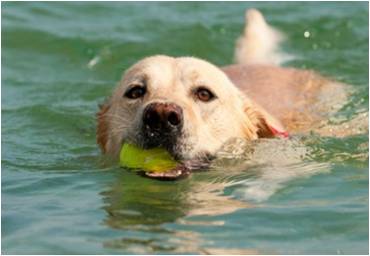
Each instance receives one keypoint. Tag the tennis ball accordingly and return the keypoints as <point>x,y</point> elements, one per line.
<point>151,160</point>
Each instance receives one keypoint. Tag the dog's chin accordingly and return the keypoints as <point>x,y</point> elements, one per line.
<point>154,141</point>
<point>178,150</point>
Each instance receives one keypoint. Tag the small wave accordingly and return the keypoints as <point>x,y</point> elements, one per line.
<point>257,169</point>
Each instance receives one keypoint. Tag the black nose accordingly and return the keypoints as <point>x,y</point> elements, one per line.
<point>163,117</point>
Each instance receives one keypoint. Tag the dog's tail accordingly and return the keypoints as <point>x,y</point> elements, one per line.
<point>259,44</point>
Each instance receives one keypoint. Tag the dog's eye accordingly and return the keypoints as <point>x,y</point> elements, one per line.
<point>204,94</point>
<point>135,92</point>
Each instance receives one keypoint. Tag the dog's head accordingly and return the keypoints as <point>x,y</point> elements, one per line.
<point>185,104</point>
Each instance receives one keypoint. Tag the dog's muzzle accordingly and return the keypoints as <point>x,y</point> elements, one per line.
<point>162,124</point>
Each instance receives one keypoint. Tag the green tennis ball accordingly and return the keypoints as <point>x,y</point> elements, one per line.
<point>151,160</point>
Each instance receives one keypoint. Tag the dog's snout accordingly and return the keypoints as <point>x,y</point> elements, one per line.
<point>163,117</point>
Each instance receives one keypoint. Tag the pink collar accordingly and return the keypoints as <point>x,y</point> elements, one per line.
<point>277,133</point>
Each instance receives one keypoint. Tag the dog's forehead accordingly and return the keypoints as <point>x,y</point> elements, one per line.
<point>177,74</point>
<point>159,67</point>
<point>152,67</point>
<point>197,69</point>
<point>183,68</point>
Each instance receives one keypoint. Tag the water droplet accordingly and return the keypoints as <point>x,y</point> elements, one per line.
<point>93,62</point>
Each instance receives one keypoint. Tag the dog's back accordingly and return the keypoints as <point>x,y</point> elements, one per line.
<point>300,99</point>
<point>295,97</point>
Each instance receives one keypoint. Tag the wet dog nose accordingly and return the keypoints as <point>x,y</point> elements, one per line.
<point>163,117</point>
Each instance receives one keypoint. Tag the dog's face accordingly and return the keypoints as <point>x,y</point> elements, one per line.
<point>185,105</point>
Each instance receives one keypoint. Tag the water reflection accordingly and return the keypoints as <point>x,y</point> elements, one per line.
<point>134,200</point>
<point>157,216</point>
<point>144,207</point>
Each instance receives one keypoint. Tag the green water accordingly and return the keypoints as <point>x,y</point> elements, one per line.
<point>59,60</point>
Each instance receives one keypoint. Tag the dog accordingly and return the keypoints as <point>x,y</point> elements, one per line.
<point>192,107</point>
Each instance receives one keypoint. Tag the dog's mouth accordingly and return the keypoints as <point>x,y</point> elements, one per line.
<point>176,148</point>
<point>168,140</point>
<point>175,143</point>
<point>182,170</point>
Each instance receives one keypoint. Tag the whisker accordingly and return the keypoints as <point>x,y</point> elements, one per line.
<point>122,118</point>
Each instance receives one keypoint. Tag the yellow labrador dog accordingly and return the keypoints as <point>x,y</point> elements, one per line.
<point>192,107</point>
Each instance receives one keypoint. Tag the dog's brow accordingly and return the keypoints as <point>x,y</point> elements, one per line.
<point>202,83</point>
<point>139,79</point>
<point>189,75</point>
<point>194,75</point>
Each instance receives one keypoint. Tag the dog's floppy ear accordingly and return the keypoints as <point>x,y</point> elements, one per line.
<point>260,124</point>
<point>102,127</point>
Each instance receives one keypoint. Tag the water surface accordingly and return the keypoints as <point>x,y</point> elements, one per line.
<point>59,60</point>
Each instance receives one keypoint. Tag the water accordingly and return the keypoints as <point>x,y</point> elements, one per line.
<point>59,196</point>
